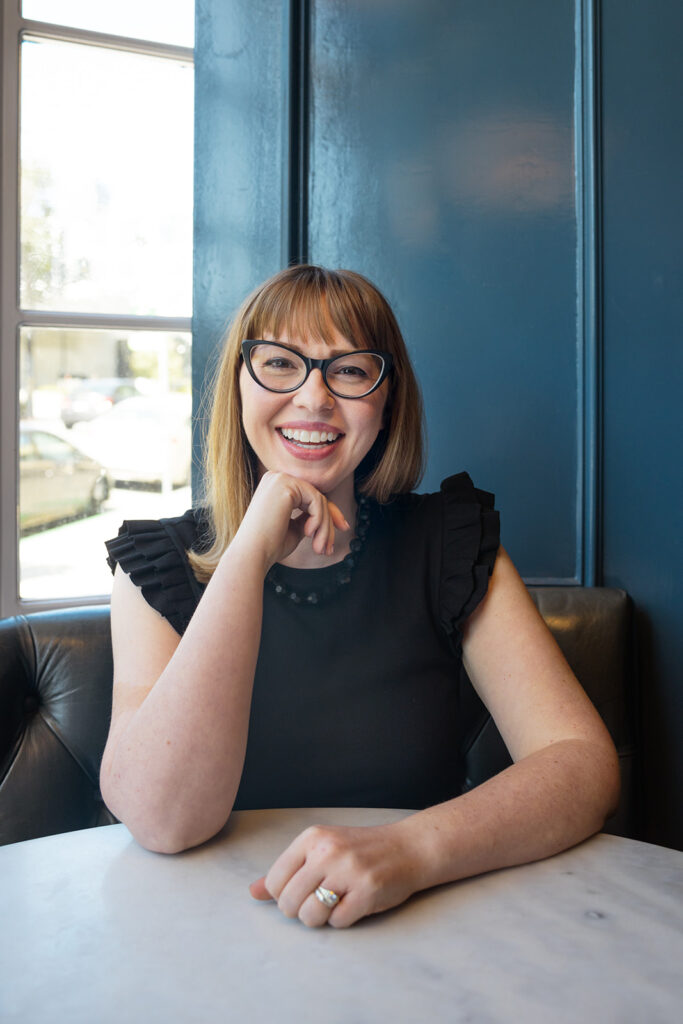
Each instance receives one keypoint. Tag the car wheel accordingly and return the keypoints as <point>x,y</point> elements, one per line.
<point>100,493</point>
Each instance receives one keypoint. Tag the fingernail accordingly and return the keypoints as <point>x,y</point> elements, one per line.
<point>346,525</point>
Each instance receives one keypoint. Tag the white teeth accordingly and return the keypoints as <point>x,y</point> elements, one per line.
<point>309,436</point>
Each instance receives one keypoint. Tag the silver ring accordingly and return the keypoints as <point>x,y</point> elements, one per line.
<point>326,896</point>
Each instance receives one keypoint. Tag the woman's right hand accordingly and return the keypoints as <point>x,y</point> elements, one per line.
<point>283,511</point>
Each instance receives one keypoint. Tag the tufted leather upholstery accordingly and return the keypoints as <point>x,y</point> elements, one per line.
<point>55,704</point>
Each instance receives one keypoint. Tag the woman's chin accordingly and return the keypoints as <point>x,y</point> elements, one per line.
<point>334,486</point>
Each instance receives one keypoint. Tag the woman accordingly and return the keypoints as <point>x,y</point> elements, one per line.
<point>299,641</point>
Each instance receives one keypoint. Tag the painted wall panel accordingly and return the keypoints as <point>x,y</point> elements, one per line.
<point>642,85</point>
<point>441,165</point>
<point>240,94</point>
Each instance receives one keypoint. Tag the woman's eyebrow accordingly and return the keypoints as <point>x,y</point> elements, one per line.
<point>333,352</point>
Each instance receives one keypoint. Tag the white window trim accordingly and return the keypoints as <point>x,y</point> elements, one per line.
<point>12,29</point>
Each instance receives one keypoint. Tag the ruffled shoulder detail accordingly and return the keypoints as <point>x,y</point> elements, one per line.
<point>471,536</point>
<point>153,553</point>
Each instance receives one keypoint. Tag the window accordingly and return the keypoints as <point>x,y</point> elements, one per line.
<point>95,370</point>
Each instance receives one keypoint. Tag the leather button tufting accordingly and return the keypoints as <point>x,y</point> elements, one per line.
<point>31,704</point>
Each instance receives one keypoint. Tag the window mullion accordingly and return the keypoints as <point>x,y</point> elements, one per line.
<point>48,318</point>
<point>65,33</point>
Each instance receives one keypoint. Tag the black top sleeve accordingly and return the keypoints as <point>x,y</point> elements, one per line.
<point>471,537</point>
<point>153,553</point>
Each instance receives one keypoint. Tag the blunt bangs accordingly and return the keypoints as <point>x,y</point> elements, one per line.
<point>306,303</point>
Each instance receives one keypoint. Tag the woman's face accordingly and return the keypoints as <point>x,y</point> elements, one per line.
<point>352,425</point>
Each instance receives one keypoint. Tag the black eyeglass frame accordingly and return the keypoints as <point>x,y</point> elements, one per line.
<point>318,364</point>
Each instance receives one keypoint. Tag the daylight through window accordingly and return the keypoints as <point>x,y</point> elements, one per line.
<point>101,326</point>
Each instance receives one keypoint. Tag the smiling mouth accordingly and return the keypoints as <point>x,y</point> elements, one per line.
<point>310,439</point>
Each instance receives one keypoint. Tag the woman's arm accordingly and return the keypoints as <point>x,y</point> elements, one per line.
<point>562,786</point>
<point>565,778</point>
<point>175,751</point>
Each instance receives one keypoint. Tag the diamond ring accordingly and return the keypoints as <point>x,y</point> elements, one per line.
<point>326,896</point>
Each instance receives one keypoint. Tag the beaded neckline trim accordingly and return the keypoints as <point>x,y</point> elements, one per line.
<point>344,569</point>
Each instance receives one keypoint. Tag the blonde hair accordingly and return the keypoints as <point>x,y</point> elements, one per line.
<point>307,302</point>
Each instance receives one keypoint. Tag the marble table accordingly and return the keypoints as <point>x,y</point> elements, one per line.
<point>94,929</point>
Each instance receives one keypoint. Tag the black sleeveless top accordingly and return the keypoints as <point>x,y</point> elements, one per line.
<point>356,700</point>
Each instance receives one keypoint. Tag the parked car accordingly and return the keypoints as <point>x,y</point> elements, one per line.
<point>143,440</point>
<point>91,398</point>
<point>57,481</point>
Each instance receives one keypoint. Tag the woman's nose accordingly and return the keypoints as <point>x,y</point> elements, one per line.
<point>313,393</point>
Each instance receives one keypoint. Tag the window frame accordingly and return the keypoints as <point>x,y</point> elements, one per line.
<point>13,29</point>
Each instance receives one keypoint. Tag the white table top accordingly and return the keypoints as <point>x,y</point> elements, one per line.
<point>95,929</point>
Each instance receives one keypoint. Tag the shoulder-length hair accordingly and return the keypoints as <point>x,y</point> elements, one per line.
<point>306,301</point>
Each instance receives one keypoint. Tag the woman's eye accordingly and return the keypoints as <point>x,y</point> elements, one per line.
<point>349,371</point>
<point>278,363</point>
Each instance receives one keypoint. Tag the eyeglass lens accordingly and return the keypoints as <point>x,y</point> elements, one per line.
<point>349,376</point>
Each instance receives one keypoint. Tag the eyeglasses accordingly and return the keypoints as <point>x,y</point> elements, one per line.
<point>280,368</point>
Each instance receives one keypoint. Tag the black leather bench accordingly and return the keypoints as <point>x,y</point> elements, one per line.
<point>55,705</point>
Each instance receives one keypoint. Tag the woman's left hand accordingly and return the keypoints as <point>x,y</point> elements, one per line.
<point>370,868</point>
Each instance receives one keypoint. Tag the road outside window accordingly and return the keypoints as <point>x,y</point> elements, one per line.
<point>105,434</point>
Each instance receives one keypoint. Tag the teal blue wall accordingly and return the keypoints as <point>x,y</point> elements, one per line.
<point>642,86</point>
<point>508,175</point>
